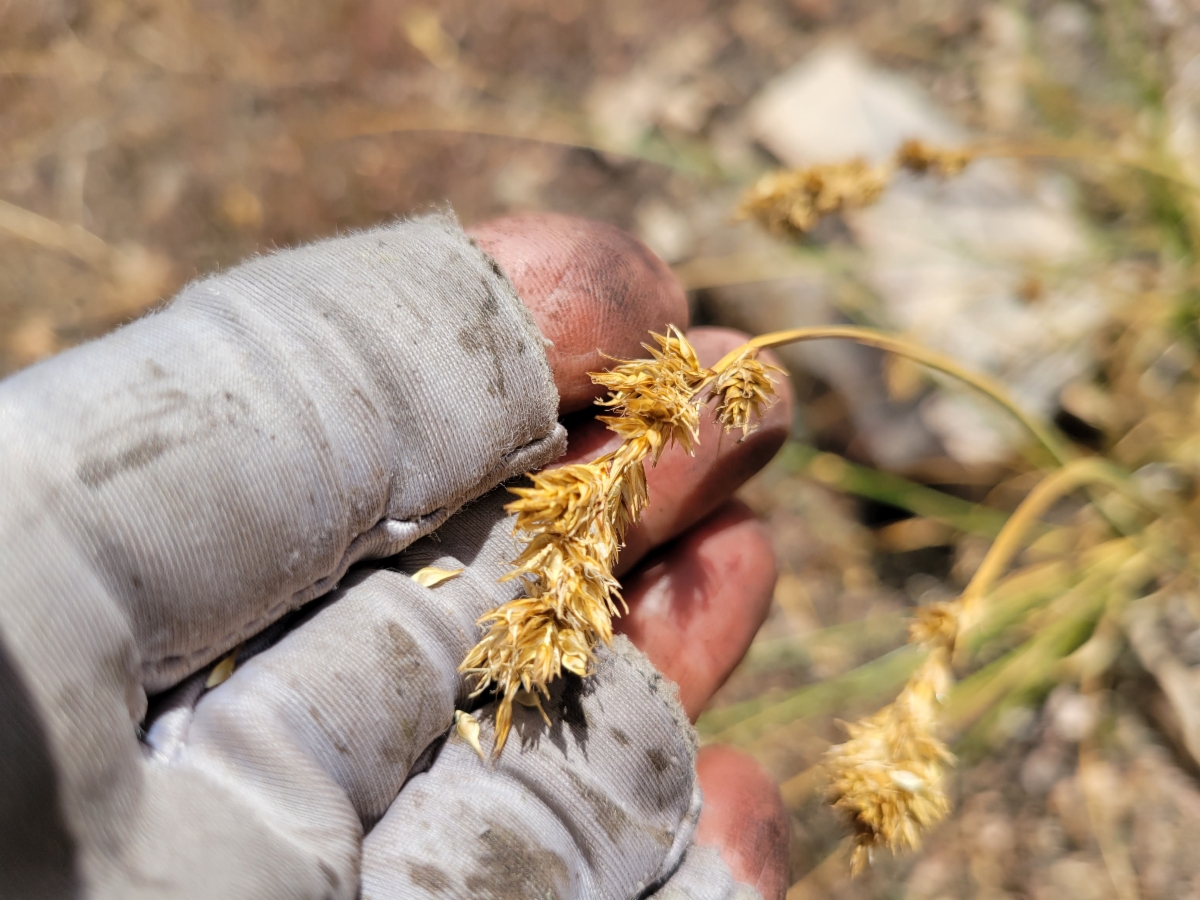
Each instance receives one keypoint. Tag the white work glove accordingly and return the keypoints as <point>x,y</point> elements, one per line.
<point>182,487</point>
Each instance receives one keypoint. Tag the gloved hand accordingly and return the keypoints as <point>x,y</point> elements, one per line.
<point>202,480</point>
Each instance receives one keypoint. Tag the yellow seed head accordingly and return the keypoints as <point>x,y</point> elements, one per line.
<point>936,625</point>
<point>655,399</point>
<point>568,501</point>
<point>920,158</point>
<point>525,647</point>
<point>888,778</point>
<point>572,521</point>
<point>743,389</point>
<point>794,200</point>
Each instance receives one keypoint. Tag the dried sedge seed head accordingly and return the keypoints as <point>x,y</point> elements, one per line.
<point>525,647</point>
<point>629,495</point>
<point>920,158</point>
<point>568,521</point>
<point>743,389</point>
<point>572,521</point>
<point>794,200</point>
<point>888,778</point>
<point>573,578</point>
<point>936,625</point>
<point>655,399</point>
<point>568,500</point>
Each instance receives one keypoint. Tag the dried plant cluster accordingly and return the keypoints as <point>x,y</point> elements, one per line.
<point>573,519</point>
<point>792,201</point>
<point>888,777</point>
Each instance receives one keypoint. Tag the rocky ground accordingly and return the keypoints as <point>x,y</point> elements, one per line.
<point>145,143</point>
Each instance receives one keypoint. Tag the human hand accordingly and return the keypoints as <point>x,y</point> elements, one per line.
<point>289,732</point>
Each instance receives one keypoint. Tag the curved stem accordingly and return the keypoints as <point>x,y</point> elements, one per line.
<point>1074,150</point>
<point>1079,473</point>
<point>1046,436</point>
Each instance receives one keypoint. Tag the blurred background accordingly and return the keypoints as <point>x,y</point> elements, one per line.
<point>143,144</point>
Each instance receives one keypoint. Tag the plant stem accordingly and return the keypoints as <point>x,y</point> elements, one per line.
<point>850,478</point>
<point>1081,472</point>
<point>1081,151</point>
<point>1045,435</point>
<point>749,720</point>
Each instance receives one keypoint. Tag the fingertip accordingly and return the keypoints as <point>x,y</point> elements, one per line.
<point>744,819</point>
<point>590,286</point>
<point>695,608</point>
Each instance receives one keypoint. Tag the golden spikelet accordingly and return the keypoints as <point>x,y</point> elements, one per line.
<point>936,625</point>
<point>629,494</point>
<point>793,201</point>
<point>573,519</point>
<point>920,158</point>
<point>654,398</point>
<point>568,500</point>
<point>743,390</point>
<point>888,778</point>
<point>525,647</point>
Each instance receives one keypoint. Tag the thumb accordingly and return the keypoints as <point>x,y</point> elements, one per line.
<point>590,287</point>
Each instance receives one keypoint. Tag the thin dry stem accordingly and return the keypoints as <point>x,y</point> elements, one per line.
<point>1046,436</point>
<point>1076,474</point>
<point>72,239</point>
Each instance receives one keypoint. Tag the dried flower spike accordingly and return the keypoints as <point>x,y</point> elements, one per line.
<point>655,399</point>
<point>743,390</point>
<point>573,519</point>
<point>793,201</point>
<point>888,778</point>
<point>919,158</point>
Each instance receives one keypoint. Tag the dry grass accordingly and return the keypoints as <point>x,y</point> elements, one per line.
<point>574,518</point>
<point>148,142</point>
<point>1119,551</point>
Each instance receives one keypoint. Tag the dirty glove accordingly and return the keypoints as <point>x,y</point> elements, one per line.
<point>179,488</point>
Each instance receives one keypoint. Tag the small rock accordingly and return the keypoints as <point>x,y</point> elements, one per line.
<point>1080,878</point>
<point>835,106</point>
<point>664,229</point>
<point>1042,769</point>
<point>1016,723</point>
<point>1072,715</point>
